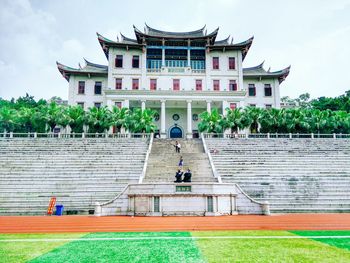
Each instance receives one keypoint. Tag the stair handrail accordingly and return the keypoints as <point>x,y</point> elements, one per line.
<point>146,159</point>
<point>215,173</point>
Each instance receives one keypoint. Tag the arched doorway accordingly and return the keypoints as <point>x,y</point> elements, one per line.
<point>175,132</point>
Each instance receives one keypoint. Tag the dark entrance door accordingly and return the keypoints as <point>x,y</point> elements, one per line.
<point>175,132</point>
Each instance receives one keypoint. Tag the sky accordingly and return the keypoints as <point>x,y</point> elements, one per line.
<point>313,36</point>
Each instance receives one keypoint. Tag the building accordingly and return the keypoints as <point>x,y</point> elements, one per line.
<point>178,74</point>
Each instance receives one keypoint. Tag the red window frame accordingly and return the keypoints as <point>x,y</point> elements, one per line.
<point>153,84</point>
<point>232,86</point>
<point>135,62</point>
<point>176,84</point>
<point>81,87</point>
<point>118,83</point>
<point>118,104</point>
<point>216,84</point>
<point>233,106</point>
<point>231,63</point>
<point>119,61</point>
<point>216,64</point>
<point>135,84</point>
<point>199,84</point>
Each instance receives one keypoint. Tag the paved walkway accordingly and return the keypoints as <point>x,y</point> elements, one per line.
<point>55,224</point>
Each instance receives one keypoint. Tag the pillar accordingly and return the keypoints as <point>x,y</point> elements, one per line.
<point>224,106</point>
<point>162,119</point>
<point>188,58</point>
<point>209,106</point>
<point>189,119</point>
<point>143,105</point>
<point>163,53</point>
<point>126,104</point>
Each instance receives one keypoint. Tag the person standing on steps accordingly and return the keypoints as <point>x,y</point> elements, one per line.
<point>178,147</point>
<point>181,163</point>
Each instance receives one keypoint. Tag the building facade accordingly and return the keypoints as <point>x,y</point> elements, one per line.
<point>177,74</point>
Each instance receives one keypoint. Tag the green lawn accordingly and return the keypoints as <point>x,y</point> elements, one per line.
<point>199,246</point>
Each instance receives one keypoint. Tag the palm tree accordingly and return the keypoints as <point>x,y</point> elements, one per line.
<point>8,119</point>
<point>141,121</point>
<point>25,119</point>
<point>212,122</point>
<point>76,116</point>
<point>99,119</point>
<point>234,119</point>
<point>119,117</point>
<point>251,118</point>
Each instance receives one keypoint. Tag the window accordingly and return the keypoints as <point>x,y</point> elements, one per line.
<point>81,87</point>
<point>233,106</point>
<point>98,88</point>
<point>118,104</point>
<point>231,63</point>
<point>252,105</point>
<point>216,84</point>
<point>156,207</point>
<point>81,104</point>
<point>153,84</point>
<point>118,83</point>
<point>232,86</point>
<point>135,83</point>
<point>97,104</point>
<point>198,84</point>
<point>268,90</point>
<point>268,106</point>
<point>135,61</point>
<point>210,204</point>
<point>215,62</point>
<point>119,61</point>
<point>176,84</point>
<point>251,90</point>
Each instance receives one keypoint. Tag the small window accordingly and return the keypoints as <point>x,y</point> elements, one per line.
<point>176,84</point>
<point>135,83</point>
<point>215,62</point>
<point>135,61</point>
<point>216,84</point>
<point>118,104</point>
<point>97,104</point>
<point>156,204</point>
<point>251,90</point>
<point>119,61</point>
<point>118,83</point>
<point>153,84</point>
<point>233,106</point>
<point>231,63</point>
<point>81,104</point>
<point>232,86</point>
<point>98,88</point>
<point>252,105</point>
<point>210,204</point>
<point>268,106</point>
<point>198,84</point>
<point>81,87</point>
<point>268,90</point>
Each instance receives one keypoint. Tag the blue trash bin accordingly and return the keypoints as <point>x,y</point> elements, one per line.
<point>59,210</point>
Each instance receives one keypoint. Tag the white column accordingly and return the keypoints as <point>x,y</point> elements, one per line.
<point>163,53</point>
<point>209,106</point>
<point>162,119</point>
<point>143,105</point>
<point>126,104</point>
<point>224,106</point>
<point>188,53</point>
<point>189,119</point>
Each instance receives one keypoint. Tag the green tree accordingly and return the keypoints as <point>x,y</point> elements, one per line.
<point>8,119</point>
<point>98,119</point>
<point>141,121</point>
<point>76,117</point>
<point>212,122</point>
<point>119,117</point>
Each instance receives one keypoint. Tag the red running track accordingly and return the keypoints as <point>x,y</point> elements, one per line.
<point>56,224</point>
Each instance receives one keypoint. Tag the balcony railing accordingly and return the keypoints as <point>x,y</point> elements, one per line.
<point>179,70</point>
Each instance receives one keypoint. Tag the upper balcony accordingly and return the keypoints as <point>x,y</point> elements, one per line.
<point>175,70</point>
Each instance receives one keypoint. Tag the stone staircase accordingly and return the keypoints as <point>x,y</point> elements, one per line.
<point>294,175</point>
<point>163,161</point>
<point>79,172</point>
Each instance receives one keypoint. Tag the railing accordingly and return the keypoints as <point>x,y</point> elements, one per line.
<point>146,159</point>
<point>34,135</point>
<point>216,174</point>
<point>277,135</point>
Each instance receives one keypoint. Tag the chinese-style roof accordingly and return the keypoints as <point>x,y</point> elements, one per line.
<point>259,72</point>
<point>160,33</point>
<point>126,40</point>
<point>151,33</point>
<point>90,69</point>
<point>225,45</point>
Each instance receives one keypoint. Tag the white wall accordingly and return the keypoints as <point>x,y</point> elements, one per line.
<point>260,100</point>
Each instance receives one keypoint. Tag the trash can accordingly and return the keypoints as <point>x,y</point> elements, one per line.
<point>59,210</point>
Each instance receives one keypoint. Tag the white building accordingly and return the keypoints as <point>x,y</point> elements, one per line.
<point>177,74</point>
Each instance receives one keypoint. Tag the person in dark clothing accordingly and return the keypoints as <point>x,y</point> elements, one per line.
<point>187,176</point>
<point>176,146</point>
<point>178,176</point>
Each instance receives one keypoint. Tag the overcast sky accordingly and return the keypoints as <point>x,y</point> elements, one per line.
<point>311,35</point>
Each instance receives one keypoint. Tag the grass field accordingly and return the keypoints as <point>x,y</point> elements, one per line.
<point>200,246</point>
